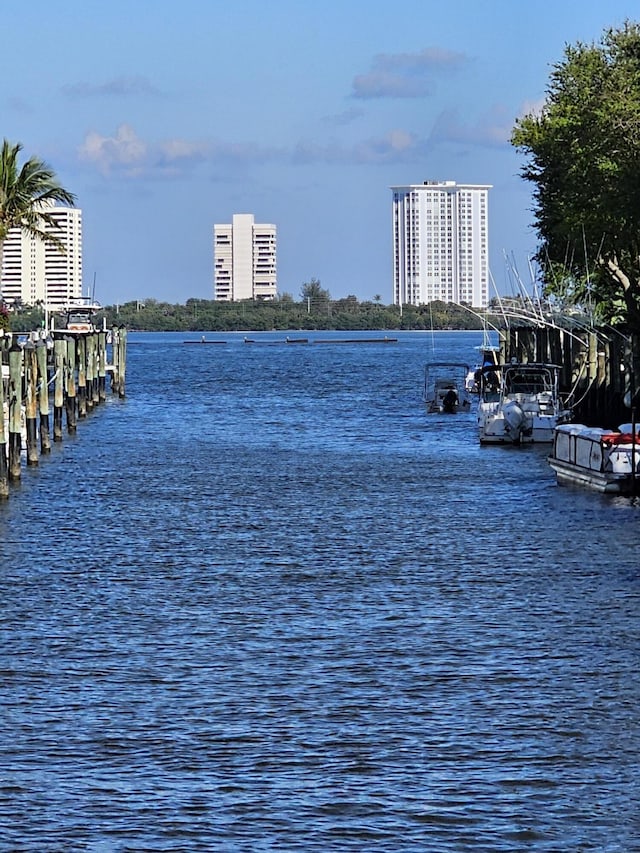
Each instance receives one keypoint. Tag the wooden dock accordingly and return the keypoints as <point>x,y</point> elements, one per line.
<point>65,368</point>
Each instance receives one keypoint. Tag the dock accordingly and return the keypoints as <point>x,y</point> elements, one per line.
<point>64,367</point>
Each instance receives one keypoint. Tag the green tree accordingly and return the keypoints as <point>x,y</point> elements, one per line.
<point>583,151</point>
<point>25,193</point>
<point>313,290</point>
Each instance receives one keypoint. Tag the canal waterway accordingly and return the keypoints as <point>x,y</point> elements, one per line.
<point>266,602</point>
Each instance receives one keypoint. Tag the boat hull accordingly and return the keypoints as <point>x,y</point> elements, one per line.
<point>596,459</point>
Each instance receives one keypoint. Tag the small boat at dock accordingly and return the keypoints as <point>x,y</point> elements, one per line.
<point>519,403</point>
<point>445,389</point>
<point>606,461</point>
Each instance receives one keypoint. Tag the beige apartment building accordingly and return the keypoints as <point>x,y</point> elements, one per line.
<point>37,271</point>
<point>244,260</point>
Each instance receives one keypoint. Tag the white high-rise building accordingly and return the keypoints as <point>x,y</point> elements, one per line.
<point>441,243</point>
<point>37,271</point>
<point>244,260</point>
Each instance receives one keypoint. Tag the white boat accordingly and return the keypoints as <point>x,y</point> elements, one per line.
<point>445,387</point>
<point>489,356</point>
<point>78,316</point>
<point>519,403</point>
<point>600,459</point>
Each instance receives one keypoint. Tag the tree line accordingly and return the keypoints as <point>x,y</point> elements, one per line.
<point>203,315</point>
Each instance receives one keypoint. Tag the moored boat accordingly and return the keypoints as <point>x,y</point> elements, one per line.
<point>603,460</point>
<point>78,316</point>
<point>445,387</point>
<point>519,403</point>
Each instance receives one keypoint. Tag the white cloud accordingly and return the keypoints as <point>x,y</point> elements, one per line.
<point>405,75</point>
<point>125,150</point>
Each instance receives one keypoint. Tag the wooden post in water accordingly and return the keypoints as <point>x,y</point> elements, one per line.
<point>15,409</point>
<point>30,360</point>
<point>123,361</point>
<point>70,375</point>
<point>43,396</point>
<point>115,334</point>
<point>4,474</point>
<point>93,363</point>
<point>102,366</point>
<point>59,359</point>
<point>119,357</point>
<point>81,350</point>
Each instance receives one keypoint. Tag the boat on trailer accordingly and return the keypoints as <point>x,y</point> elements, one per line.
<point>445,387</point>
<point>604,460</point>
<point>520,403</point>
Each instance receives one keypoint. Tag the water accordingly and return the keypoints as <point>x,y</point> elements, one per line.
<point>267,603</point>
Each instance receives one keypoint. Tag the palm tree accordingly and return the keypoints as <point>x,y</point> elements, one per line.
<point>25,194</point>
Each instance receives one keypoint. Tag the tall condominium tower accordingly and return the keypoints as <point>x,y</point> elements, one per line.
<point>36,270</point>
<point>440,243</point>
<point>244,260</point>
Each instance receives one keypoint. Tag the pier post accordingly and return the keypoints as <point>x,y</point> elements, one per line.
<point>31,401</point>
<point>119,358</point>
<point>43,396</point>
<point>102,366</point>
<point>81,350</point>
<point>70,375</point>
<point>59,359</point>
<point>4,474</point>
<point>92,368</point>
<point>115,336</point>
<point>15,409</point>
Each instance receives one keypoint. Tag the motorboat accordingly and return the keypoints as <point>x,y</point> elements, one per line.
<point>489,357</point>
<point>78,316</point>
<point>445,387</point>
<point>600,459</point>
<point>519,403</point>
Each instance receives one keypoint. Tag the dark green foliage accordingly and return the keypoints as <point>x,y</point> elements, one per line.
<point>199,315</point>
<point>583,152</point>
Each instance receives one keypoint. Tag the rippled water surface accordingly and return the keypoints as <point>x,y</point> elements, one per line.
<point>267,603</point>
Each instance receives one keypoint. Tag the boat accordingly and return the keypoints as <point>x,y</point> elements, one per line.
<point>489,357</point>
<point>78,316</point>
<point>445,387</point>
<point>606,461</point>
<point>519,403</point>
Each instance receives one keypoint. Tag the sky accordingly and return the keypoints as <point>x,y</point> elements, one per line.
<point>164,118</point>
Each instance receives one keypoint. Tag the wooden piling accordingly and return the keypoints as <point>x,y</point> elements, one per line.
<point>119,351</point>
<point>70,382</point>
<point>15,409</point>
<point>81,361</point>
<point>92,371</point>
<point>59,363</point>
<point>71,361</point>
<point>43,396</point>
<point>30,365</point>
<point>4,473</point>
<point>102,366</point>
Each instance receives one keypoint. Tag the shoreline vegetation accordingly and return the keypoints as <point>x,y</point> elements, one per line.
<point>202,315</point>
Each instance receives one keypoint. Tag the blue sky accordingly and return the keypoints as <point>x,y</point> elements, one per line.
<point>167,117</point>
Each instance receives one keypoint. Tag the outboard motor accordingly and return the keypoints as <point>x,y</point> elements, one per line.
<point>514,420</point>
<point>450,401</point>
